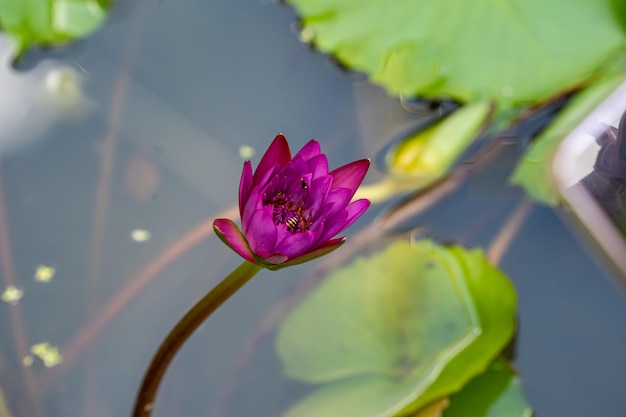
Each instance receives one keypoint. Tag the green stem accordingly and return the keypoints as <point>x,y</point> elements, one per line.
<point>389,187</point>
<point>144,403</point>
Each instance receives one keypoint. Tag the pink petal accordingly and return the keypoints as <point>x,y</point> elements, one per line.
<point>355,210</point>
<point>269,175</point>
<point>277,153</point>
<point>351,175</point>
<point>340,197</point>
<point>332,226</point>
<point>290,178</point>
<point>327,247</point>
<point>318,165</point>
<point>294,170</point>
<point>261,233</point>
<point>245,186</point>
<point>344,219</point>
<point>229,233</point>
<point>254,203</point>
<point>318,190</point>
<point>296,244</point>
<point>331,243</point>
<point>319,223</point>
<point>308,151</point>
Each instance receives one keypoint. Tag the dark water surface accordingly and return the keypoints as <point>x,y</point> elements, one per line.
<point>140,128</point>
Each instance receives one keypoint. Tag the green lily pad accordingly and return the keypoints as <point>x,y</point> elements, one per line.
<point>510,51</point>
<point>50,22</point>
<point>534,171</point>
<point>397,331</point>
<point>495,393</point>
<point>434,409</point>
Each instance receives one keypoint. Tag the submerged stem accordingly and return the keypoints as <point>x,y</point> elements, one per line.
<point>144,402</point>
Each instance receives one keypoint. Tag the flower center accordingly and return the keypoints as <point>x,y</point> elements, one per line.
<point>291,214</point>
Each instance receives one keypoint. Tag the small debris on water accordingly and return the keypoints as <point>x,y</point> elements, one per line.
<point>48,354</point>
<point>246,152</point>
<point>12,294</point>
<point>44,273</point>
<point>140,235</point>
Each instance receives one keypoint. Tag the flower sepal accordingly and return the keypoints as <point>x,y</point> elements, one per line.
<point>230,234</point>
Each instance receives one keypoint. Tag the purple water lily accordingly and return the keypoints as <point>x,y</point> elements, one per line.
<point>291,208</point>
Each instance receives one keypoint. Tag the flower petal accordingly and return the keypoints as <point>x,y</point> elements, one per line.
<point>342,220</point>
<point>340,197</point>
<point>269,176</point>
<point>331,226</point>
<point>245,186</point>
<point>355,210</point>
<point>318,165</point>
<point>327,247</point>
<point>261,233</point>
<point>351,175</point>
<point>295,245</point>
<point>229,233</point>
<point>290,179</point>
<point>308,151</point>
<point>318,190</point>
<point>277,153</point>
<point>254,203</point>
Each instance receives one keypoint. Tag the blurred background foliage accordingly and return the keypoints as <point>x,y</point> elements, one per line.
<point>515,54</point>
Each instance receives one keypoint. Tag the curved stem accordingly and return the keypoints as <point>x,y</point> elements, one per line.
<point>144,403</point>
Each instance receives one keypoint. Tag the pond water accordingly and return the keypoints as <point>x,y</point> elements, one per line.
<point>117,153</point>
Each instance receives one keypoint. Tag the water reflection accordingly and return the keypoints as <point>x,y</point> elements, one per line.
<point>607,180</point>
<point>32,103</point>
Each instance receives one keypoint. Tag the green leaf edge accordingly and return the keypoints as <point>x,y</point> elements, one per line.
<point>501,290</point>
<point>509,390</point>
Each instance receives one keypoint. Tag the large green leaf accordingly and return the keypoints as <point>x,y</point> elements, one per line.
<point>49,22</point>
<point>506,50</point>
<point>495,393</point>
<point>396,331</point>
<point>534,171</point>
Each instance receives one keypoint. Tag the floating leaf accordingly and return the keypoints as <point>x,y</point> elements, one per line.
<point>534,171</point>
<point>49,22</point>
<point>140,235</point>
<point>495,393</point>
<point>12,294</point>
<point>44,273</point>
<point>48,354</point>
<point>510,51</point>
<point>397,331</point>
<point>246,152</point>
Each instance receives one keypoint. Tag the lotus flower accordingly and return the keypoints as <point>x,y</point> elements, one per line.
<point>292,208</point>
